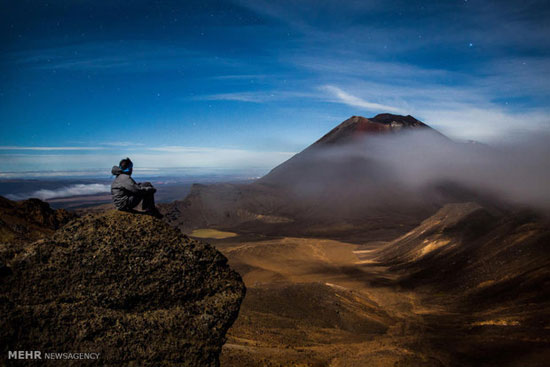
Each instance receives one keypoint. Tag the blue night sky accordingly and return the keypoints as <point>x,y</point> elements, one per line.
<point>245,84</point>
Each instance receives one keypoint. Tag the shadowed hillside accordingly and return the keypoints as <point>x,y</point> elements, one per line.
<point>29,220</point>
<point>486,257</point>
<point>468,287</point>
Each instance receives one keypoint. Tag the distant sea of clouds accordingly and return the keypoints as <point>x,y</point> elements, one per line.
<point>65,191</point>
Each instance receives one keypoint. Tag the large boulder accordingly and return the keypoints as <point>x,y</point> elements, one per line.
<point>126,286</point>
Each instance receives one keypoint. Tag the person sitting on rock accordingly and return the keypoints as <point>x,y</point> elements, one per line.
<point>127,194</point>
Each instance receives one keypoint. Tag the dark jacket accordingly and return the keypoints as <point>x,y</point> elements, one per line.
<point>124,187</point>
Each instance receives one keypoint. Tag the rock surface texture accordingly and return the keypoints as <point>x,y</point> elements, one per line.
<point>127,286</point>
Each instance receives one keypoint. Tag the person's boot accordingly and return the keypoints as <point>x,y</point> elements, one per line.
<point>154,213</point>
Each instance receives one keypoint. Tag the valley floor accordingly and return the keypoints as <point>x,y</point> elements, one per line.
<point>315,302</point>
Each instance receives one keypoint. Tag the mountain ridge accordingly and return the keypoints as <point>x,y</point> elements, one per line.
<point>317,187</point>
<point>359,126</point>
<point>351,133</point>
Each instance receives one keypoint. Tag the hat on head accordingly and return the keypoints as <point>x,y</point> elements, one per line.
<point>126,165</point>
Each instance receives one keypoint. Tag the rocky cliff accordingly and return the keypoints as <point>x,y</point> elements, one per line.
<point>127,286</point>
<point>29,220</point>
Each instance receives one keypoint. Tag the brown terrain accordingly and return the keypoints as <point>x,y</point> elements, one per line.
<point>27,220</point>
<point>343,272</point>
<point>465,288</point>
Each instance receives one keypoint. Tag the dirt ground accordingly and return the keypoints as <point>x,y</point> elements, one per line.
<point>314,302</point>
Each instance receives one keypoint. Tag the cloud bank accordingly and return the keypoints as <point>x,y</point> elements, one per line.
<point>515,172</point>
<point>62,192</point>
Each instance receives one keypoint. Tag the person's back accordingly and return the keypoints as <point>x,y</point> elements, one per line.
<point>119,188</point>
<point>127,194</point>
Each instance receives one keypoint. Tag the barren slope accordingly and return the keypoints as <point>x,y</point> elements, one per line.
<point>465,288</point>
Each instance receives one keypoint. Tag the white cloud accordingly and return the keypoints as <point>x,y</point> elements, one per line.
<point>257,96</point>
<point>485,124</point>
<point>254,97</point>
<point>14,147</point>
<point>119,144</point>
<point>65,191</point>
<point>354,101</point>
<point>453,111</point>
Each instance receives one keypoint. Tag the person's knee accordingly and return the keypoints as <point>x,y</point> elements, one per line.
<point>133,201</point>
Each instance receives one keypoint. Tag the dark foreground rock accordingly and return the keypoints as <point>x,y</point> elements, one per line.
<point>126,286</point>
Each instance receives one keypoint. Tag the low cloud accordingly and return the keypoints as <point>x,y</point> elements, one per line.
<point>413,164</point>
<point>488,124</point>
<point>62,192</point>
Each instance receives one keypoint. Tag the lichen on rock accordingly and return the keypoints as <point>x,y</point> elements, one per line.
<point>127,286</point>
